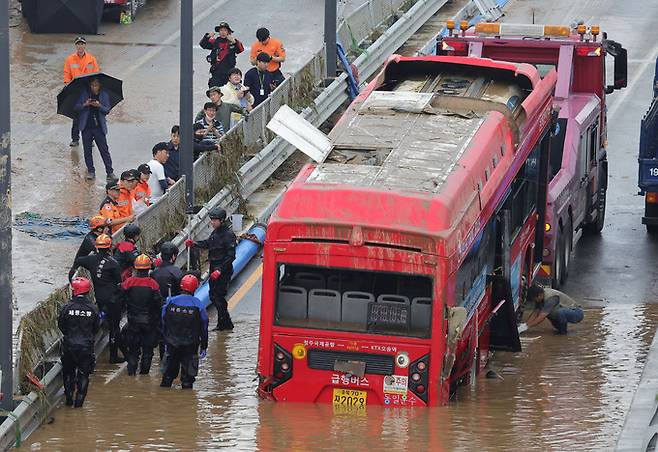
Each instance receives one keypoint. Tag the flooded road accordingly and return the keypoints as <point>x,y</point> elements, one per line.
<point>561,393</point>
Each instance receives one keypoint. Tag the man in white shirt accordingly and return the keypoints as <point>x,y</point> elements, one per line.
<point>158,182</point>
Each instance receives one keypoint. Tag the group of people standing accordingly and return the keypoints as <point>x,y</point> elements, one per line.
<point>157,297</point>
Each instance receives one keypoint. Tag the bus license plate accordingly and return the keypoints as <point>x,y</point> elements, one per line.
<point>350,398</point>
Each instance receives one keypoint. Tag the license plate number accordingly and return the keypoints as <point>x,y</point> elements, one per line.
<point>350,398</point>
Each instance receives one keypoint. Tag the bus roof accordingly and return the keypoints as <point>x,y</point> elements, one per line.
<point>417,147</point>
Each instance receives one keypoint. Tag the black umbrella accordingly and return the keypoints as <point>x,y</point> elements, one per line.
<point>63,16</point>
<point>69,96</point>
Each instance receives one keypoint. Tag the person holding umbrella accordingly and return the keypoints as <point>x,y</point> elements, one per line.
<point>78,63</point>
<point>93,105</point>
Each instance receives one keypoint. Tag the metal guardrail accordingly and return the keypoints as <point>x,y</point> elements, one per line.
<point>169,211</point>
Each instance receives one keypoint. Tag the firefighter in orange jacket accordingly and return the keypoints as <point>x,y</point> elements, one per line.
<point>109,208</point>
<point>126,188</point>
<point>79,63</point>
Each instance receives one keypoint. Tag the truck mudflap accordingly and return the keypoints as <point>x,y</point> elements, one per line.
<point>504,330</point>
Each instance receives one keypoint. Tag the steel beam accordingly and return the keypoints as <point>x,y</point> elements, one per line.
<point>330,36</point>
<point>186,99</point>
<point>6,386</point>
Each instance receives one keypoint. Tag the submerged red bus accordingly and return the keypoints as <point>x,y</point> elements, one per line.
<point>383,264</point>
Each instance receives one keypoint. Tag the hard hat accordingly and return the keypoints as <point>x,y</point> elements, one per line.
<point>142,262</point>
<point>80,286</point>
<point>97,222</point>
<point>103,241</point>
<point>168,249</point>
<point>217,214</point>
<point>130,231</point>
<point>189,283</point>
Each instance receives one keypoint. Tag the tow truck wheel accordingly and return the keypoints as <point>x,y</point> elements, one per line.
<point>566,251</point>
<point>558,261</point>
<point>597,226</point>
<point>652,229</point>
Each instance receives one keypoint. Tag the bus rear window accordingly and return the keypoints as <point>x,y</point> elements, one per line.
<point>353,300</point>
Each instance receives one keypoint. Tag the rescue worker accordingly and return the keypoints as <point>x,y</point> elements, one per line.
<point>142,191</point>
<point>272,47</point>
<point>185,330</point>
<point>106,276</point>
<point>110,209</point>
<point>559,308</point>
<point>143,301</point>
<point>125,252</point>
<point>127,185</point>
<point>221,254</point>
<point>98,226</point>
<point>78,63</point>
<point>167,274</point>
<point>79,322</point>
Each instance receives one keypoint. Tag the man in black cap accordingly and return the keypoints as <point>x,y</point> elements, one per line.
<point>221,254</point>
<point>223,50</point>
<point>260,81</point>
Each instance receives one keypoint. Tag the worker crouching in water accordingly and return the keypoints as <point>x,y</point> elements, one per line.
<point>559,308</point>
<point>185,330</point>
<point>221,254</point>
<point>141,295</point>
<point>79,322</point>
<point>106,276</point>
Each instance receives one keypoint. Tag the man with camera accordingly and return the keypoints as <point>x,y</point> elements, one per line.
<point>223,50</point>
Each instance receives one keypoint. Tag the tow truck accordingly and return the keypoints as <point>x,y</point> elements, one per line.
<point>648,162</point>
<point>579,164</point>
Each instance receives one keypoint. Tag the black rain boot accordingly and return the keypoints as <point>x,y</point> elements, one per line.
<point>145,365</point>
<point>187,385</point>
<point>83,385</point>
<point>224,323</point>
<point>114,356</point>
<point>69,389</point>
<point>166,382</point>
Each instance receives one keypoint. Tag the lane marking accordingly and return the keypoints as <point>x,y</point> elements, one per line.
<point>246,287</point>
<point>116,373</point>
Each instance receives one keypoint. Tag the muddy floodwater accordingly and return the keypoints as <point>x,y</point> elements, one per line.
<point>561,393</point>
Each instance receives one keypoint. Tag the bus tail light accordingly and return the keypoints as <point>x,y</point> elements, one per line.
<point>460,48</point>
<point>282,366</point>
<point>418,377</point>
<point>588,51</point>
<point>652,198</point>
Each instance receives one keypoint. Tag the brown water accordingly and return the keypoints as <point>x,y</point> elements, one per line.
<point>560,393</point>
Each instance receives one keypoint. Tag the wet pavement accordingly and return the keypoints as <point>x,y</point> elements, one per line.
<point>561,393</point>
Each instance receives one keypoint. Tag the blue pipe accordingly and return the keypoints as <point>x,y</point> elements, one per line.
<point>244,252</point>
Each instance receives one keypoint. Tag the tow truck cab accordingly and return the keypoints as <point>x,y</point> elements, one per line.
<point>579,164</point>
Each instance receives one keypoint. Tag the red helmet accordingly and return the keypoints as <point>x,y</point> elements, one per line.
<point>189,283</point>
<point>80,286</point>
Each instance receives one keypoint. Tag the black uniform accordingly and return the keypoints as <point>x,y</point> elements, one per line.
<point>185,329</point>
<point>125,254</point>
<point>143,305</point>
<point>79,322</point>
<point>221,254</point>
<point>87,247</point>
<point>168,277</point>
<point>106,276</point>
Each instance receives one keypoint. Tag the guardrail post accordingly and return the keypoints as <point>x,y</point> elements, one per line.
<point>6,386</point>
<point>330,37</point>
<point>186,99</point>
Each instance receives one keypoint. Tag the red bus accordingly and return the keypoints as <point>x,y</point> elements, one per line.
<point>383,264</point>
<point>578,177</point>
